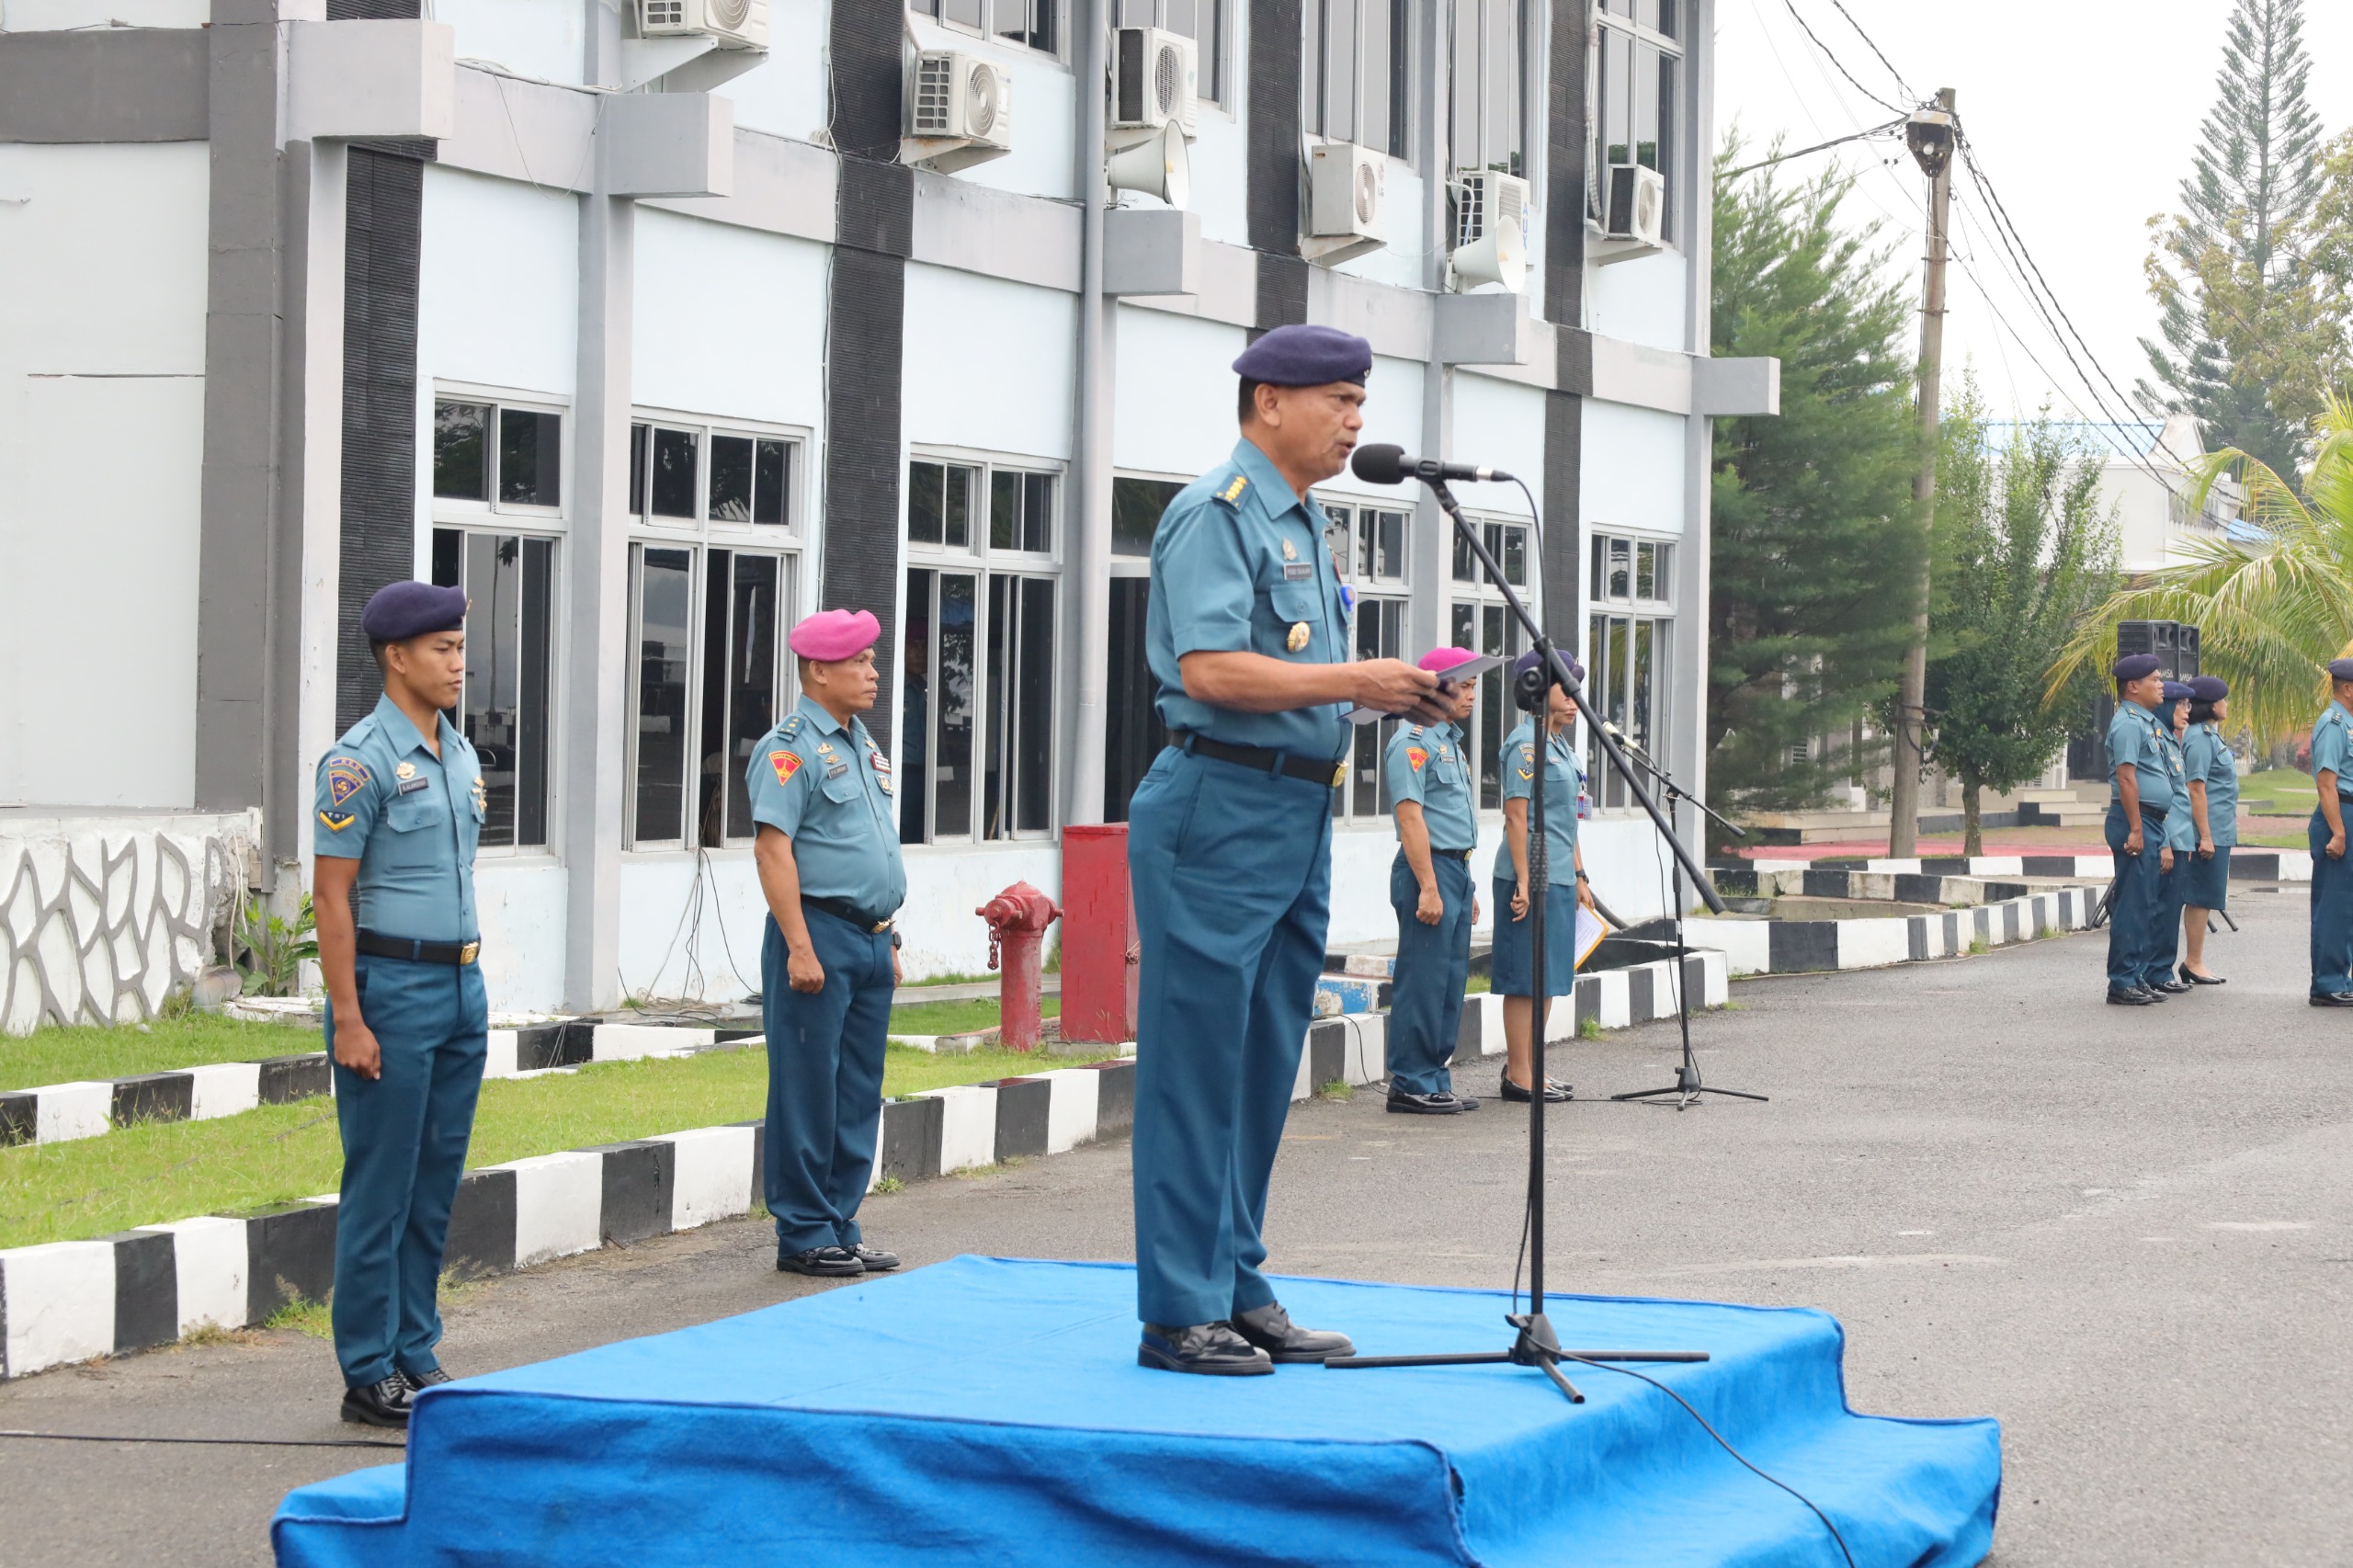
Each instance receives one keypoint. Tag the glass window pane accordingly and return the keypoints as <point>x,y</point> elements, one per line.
<point>1502,83</point>
<point>710,768</point>
<point>530,457</point>
<point>1622,555</point>
<point>448,558</point>
<point>1373,77</point>
<point>1466,564</point>
<point>771,479</point>
<point>1666,18</point>
<point>1515,556</point>
<point>1181,16</point>
<point>1593,589</point>
<point>534,706</point>
<point>956,523</point>
<point>1644,108</point>
<point>1311,75</point>
<point>1645,571</point>
<point>1004,509</point>
<point>1136,508</point>
<point>665,636</point>
<point>1033,710</point>
<point>458,471</point>
<point>1393,545</point>
<point>955,694</point>
<point>494,673</point>
<point>754,703</point>
<point>963,13</point>
<point>915,708</point>
<point>996,761</point>
<point>673,463</point>
<point>1463,88</point>
<point>1665,164</point>
<point>1641,683</point>
<point>731,479</point>
<point>1665,573</point>
<point>1340,70</point>
<point>1613,114</point>
<point>1132,728</point>
<point>1596,679</point>
<point>926,484</point>
<point>1495,713</point>
<point>1038,513</point>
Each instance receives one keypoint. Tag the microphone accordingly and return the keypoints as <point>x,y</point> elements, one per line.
<point>1383,463</point>
<point>1620,737</point>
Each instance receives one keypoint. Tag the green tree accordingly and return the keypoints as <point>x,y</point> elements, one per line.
<point>2025,555</point>
<point>1816,543</point>
<point>2250,328</point>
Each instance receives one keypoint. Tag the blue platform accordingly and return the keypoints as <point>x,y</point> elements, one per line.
<point>990,1410</point>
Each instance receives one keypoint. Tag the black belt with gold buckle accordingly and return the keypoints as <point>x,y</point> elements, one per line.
<point>873,925</point>
<point>1453,853</point>
<point>1266,759</point>
<point>376,944</point>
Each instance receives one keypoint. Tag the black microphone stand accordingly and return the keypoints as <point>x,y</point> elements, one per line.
<point>1686,1088</point>
<point>1535,1344</point>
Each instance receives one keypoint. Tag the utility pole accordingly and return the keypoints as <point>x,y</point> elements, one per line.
<point>1930,134</point>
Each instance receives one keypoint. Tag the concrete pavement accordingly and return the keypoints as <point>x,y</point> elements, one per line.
<point>2127,1232</point>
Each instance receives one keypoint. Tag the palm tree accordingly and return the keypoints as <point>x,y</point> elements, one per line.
<point>2272,609</point>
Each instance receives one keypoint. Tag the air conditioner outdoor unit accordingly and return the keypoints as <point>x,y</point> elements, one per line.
<point>1348,190</point>
<point>736,24</point>
<point>1637,206</point>
<point>1154,80</point>
<point>1490,229</point>
<point>960,109</point>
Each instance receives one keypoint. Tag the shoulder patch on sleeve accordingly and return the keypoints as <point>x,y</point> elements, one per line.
<point>347,776</point>
<point>335,824</point>
<point>785,764</point>
<point>1416,757</point>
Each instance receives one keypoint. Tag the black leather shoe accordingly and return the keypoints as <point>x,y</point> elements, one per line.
<point>2128,996</point>
<point>1468,1102</point>
<point>1270,1329</point>
<point>1212,1349</point>
<point>2195,978</point>
<point>380,1404</point>
<point>1555,1092</point>
<point>2332,998</point>
<point>874,1259</point>
<point>418,1382</point>
<point>826,1263</point>
<point>2171,986</point>
<point>1404,1103</point>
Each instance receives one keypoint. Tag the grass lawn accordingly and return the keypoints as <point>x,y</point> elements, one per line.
<point>2277,791</point>
<point>958,1018</point>
<point>141,1176</point>
<point>63,1055</point>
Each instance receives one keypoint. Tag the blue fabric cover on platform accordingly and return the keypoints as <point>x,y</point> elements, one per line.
<point>990,1410</point>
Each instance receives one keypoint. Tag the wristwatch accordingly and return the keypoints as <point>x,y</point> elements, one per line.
<point>898,939</point>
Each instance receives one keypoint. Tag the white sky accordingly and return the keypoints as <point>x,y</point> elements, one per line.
<point>2084,114</point>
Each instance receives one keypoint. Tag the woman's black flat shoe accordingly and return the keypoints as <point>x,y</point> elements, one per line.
<point>1554,1091</point>
<point>2195,978</point>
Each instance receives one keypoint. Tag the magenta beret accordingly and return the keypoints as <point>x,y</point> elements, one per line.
<point>832,634</point>
<point>1437,661</point>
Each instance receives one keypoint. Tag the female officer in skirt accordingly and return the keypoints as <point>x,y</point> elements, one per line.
<point>1512,965</point>
<point>2213,780</point>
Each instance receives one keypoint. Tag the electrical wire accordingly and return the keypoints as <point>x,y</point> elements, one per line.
<point>1826,54</point>
<point>1901,85</point>
<point>206,1442</point>
<point>1785,157</point>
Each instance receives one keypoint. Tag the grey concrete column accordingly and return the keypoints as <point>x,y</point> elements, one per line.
<point>311,480</point>
<point>1687,754</point>
<point>1431,566</point>
<point>1087,584</point>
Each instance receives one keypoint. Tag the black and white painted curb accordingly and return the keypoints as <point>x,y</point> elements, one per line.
<point>1797,946</point>
<point>2246,866</point>
<point>67,1301</point>
<point>57,1113</point>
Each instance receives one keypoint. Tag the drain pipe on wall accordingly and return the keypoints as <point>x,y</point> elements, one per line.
<point>1089,659</point>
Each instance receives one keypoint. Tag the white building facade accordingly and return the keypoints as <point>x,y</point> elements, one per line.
<point>655,344</point>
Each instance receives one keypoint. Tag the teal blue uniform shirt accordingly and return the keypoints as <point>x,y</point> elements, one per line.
<point>410,818</point>
<point>2206,755</point>
<point>1425,764</point>
<point>1517,762</point>
<point>1240,565</point>
<point>2135,736</point>
<point>2181,831</point>
<point>2332,744</point>
<point>829,789</point>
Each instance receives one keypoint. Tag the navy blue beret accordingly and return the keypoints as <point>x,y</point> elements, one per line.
<point>2208,688</point>
<point>2340,669</point>
<point>399,611</point>
<point>1533,660</point>
<point>1306,356</point>
<point>2136,666</point>
<point>2175,691</point>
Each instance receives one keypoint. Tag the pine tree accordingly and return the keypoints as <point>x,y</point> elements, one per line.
<point>2236,297</point>
<point>1816,543</point>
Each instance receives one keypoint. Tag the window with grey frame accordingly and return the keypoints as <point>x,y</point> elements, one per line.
<point>1353,78</point>
<point>505,458</point>
<point>1033,23</point>
<point>1487,54</point>
<point>1368,546</point>
<point>1637,78</point>
<point>1203,21</point>
<point>507,707</point>
<point>976,742</point>
<point>1479,619</point>
<point>1628,637</point>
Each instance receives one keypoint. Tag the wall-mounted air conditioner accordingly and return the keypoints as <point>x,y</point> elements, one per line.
<point>959,110</point>
<point>1347,192</point>
<point>1154,80</point>
<point>1490,229</point>
<point>736,24</point>
<point>1636,208</point>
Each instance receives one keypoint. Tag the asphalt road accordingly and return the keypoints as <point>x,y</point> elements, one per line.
<point>2126,1232</point>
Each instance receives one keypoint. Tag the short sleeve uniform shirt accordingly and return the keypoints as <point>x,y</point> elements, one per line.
<point>2206,758</point>
<point>410,818</point>
<point>827,788</point>
<point>1517,762</point>
<point>2134,737</point>
<point>1425,763</point>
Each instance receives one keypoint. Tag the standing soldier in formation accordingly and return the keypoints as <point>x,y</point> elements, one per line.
<point>1564,889</point>
<point>2181,838</point>
<point>2332,878</point>
<point>829,858</point>
<point>1430,886</point>
<point>2141,796</point>
<point>2213,778</point>
<point>399,812</point>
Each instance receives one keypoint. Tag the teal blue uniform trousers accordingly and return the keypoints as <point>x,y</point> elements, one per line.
<point>2332,910</point>
<point>1232,870</point>
<point>404,1151</point>
<point>2132,920</point>
<point>1433,965</point>
<point>825,1081</point>
<point>2164,932</point>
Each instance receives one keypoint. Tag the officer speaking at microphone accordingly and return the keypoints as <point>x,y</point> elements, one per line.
<point>1435,897</point>
<point>829,858</point>
<point>1228,846</point>
<point>399,812</point>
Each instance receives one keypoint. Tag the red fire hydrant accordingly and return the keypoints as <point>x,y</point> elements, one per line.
<point>1018,919</point>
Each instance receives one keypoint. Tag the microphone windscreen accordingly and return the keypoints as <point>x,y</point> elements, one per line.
<point>1380,463</point>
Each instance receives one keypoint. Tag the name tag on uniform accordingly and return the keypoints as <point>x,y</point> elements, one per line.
<point>835,768</point>
<point>1297,571</point>
<point>411,786</point>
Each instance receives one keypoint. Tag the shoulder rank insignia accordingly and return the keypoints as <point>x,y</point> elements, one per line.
<point>785,764</point>
<point>1233,489</point>
<point>336,823</point>
<point>1416,757</point>
<point>347,776</point>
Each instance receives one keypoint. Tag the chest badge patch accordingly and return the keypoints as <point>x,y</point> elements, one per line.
<point>785,764</point>
<point>405,770</point>
<point>1416,757</point>
<point>1297,640</point>
<point>347,776</point>
<point>1291,552</point>
<point>335,824</point>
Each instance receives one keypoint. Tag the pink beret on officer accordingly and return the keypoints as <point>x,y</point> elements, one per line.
<point>1437,661</point>
<point>834,634</point>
